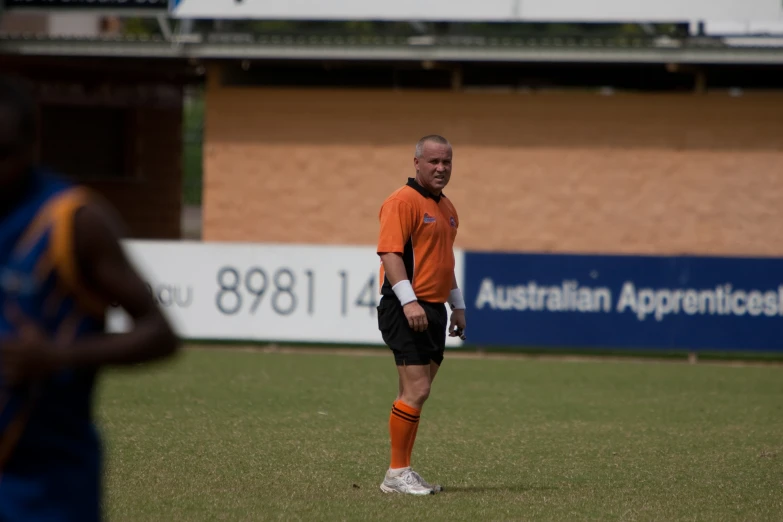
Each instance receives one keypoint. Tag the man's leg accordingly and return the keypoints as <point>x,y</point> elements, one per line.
<point>436,338</point>
<point>433,371</point>
<point>414,382</point>
<point>413,353</point>
<point>404,419</point>
<point>434,367</point>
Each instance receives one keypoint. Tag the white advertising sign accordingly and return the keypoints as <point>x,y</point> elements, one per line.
<point>651,11</point>
<point>345,9</point>
<point>487,10</point>
<point>261,292</point>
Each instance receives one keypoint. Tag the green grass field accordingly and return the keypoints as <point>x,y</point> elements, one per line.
<point>233,435</point>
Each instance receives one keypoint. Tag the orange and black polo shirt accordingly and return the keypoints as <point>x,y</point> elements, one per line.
<point>422,227</point>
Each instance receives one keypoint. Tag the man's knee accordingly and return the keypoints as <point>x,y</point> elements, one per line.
<point>417,391</point>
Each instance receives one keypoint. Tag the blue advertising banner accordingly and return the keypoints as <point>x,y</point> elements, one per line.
<point>625,302</point>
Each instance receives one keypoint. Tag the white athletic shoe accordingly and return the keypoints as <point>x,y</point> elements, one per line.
<point>436,488</point>
<point>407,482</point>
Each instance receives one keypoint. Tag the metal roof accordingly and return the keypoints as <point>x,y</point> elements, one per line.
<point>424,48</point>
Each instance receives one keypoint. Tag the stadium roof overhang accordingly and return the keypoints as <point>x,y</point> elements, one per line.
<point>438,49</point>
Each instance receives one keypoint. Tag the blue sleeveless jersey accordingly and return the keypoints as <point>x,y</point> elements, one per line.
<point>50,453</point>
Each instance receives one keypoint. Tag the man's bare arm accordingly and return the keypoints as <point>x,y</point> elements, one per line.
<point>108,273</point>
<point>394,267</point>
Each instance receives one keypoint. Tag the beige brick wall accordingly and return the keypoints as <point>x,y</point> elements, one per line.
<point>558,172</point>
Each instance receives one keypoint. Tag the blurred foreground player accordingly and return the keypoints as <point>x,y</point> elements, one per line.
<point>60,266</point>
<point>417,232</point>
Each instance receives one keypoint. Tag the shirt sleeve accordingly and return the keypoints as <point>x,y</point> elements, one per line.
<point>396,226</point>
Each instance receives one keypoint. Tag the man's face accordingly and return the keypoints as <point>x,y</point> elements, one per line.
<point>433,169</point>
<point>15,155</point>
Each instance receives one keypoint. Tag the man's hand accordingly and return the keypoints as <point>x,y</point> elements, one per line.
<point>31,354</point>
<point>417,317</point>
<point>457,326</point>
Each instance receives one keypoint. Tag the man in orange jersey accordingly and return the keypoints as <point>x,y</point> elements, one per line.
<point>418,225</point>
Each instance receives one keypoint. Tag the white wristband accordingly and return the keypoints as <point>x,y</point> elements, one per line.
<point>456,300</point>
<point>404,292</point>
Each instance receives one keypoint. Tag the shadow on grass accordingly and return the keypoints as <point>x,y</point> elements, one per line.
<point>501,488</point>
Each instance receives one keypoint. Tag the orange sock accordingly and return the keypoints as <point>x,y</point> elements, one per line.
<point>403,422</point>
<point>412,441</point>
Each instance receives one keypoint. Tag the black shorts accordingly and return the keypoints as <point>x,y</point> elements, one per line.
<point>409,347</point>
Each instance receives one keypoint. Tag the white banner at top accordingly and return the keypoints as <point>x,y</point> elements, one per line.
<point>485,10</point>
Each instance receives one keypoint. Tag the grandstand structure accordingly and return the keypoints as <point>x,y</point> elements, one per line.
<point>216,43</point>
<point>145,60</point>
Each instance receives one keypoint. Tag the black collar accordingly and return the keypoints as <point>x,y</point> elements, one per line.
<point>424,192</point>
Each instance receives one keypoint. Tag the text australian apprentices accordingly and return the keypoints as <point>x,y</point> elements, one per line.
<point>418,225</point>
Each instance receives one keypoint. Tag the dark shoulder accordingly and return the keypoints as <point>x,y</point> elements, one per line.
<point>97,216</point>
<point>97,230</point>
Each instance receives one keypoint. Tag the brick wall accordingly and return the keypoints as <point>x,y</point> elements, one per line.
<point>560,172</point>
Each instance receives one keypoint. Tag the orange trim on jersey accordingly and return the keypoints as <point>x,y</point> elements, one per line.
<point>64,255</point>
<point>42,221</point>
<point>57,216</point>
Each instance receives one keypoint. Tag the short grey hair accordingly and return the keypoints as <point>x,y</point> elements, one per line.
<point>433,138</point>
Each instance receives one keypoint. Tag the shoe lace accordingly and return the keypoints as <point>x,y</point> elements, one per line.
<point>418,478</point>
<point>410,478</point>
